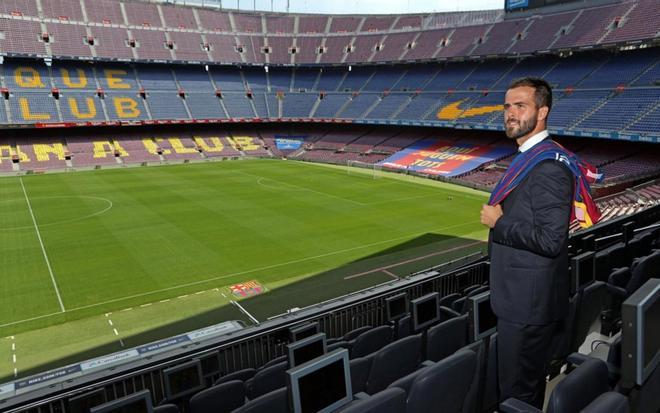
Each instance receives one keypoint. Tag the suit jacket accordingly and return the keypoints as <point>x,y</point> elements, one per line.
<point>528,248</point>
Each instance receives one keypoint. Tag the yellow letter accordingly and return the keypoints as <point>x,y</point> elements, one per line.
<point>66,79</point>
<point>43,150</point>
<point>91,108</point>
<point>118,148</point>
<point>215,146</point>
<point>126,107</point>
<point>178,147</point>
<point>27,115</point>
<point>116,82</point>
<point>28,77</point>
<point>6,153</point>
<point>246,143</point>
<point>150,146</point>
<point>22,157</point>
<point>102,149</point>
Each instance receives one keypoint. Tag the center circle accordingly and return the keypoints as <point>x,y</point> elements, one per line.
<point>56,210</point>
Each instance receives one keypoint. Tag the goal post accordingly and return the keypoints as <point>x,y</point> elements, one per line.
<point>374,169</point>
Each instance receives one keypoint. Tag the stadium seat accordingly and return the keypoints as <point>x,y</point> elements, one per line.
<point>590,305</point>
<point>274,361</point>
<point>360,368</point>
<point>370,341</point>
<point>610,402</point>
<point>242,375</point>
<point>166,408</point>
<point>353,334</point>
<point>453,375</point>
<point>393,361</point>
<point>573,394</point>
<point>448,299</point>
<point>267,380</point>
<point>390,400</point>
<point>446,338</point>
<point>338,344</point>
<point>222,398</point>
<point>276,401</point>
<point>403,327</point>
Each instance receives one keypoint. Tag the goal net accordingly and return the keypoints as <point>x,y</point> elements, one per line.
<point>373,169</point>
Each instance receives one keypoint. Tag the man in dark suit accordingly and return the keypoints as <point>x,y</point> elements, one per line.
<point>528,247</point>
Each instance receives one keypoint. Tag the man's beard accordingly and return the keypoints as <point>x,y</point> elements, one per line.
<point>526,126</point>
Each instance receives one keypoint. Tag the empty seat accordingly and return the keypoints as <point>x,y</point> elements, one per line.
<point>610,402</point>
<point>353,334</point>
<point>274,361</point>
<point>371,340</point>
<point>276,401</point>
<point>166,408</point>
<point>446,338</point>
<point>267,380</point>
<point>573,394</point>
<point>447,300</point>
<point>391,400</point>
<point>242,375</point>
<point>394,361</point>
<point>443,386</point>
<point>222,398</point>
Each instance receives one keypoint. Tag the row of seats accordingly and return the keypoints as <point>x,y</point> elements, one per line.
<point>152,31</point>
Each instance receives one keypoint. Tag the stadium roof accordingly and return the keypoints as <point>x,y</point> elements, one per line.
<point>347,6</point>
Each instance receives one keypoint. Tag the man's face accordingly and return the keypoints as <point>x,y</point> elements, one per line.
<point>520,112</point>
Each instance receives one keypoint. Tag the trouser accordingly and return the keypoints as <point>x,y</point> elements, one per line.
<point>524,353</point>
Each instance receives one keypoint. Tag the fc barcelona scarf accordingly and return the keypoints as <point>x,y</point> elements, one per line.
<point>584,210</point>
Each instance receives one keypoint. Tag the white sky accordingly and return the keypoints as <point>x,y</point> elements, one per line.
<point>354,6</point>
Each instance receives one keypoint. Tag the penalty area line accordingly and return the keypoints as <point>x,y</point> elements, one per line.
<point>43,249</point>
<point>397,264</point>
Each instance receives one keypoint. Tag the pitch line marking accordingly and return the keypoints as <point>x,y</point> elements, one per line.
<point>391,274</point>
<point>66,221</point>
<point>244,311</point>
<point>268,267</point>
<point>259,178</point>
<point>43,249</point>
<point>396,264</point>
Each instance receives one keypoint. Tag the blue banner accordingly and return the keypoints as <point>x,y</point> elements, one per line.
<point>516,4</point>
<point>289,143</point>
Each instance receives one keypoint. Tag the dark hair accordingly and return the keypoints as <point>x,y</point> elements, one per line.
<point>542,90</point>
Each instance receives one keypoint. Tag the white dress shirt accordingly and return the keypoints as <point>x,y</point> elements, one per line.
<point>533,140</point>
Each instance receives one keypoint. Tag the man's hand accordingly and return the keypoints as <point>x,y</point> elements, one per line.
<point>490,215</point>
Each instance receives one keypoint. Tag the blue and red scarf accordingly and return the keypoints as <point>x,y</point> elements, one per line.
<point>584,209</point>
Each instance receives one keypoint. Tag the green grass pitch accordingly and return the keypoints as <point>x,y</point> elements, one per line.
<point>93,261</point>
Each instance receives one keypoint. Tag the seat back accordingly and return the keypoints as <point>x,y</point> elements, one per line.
<point>392,400</point>
<point>443,387</point>
<point>602,265</point>
<point>610,402</point>
<point>403,327</point>
<point>166,408</point>
<point>274,361</point>
<point>353,334</point>
<point>579,388</point>
<point>222,398</point>
<point>394,361</point>
<point>242,375</point>
<point>646,268</point>
<point>276,401</point>
<point>448,299</point>
<point>590,305</point>
<point>446,338</point>
<point>268,379</point>
<point>371,341</point>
